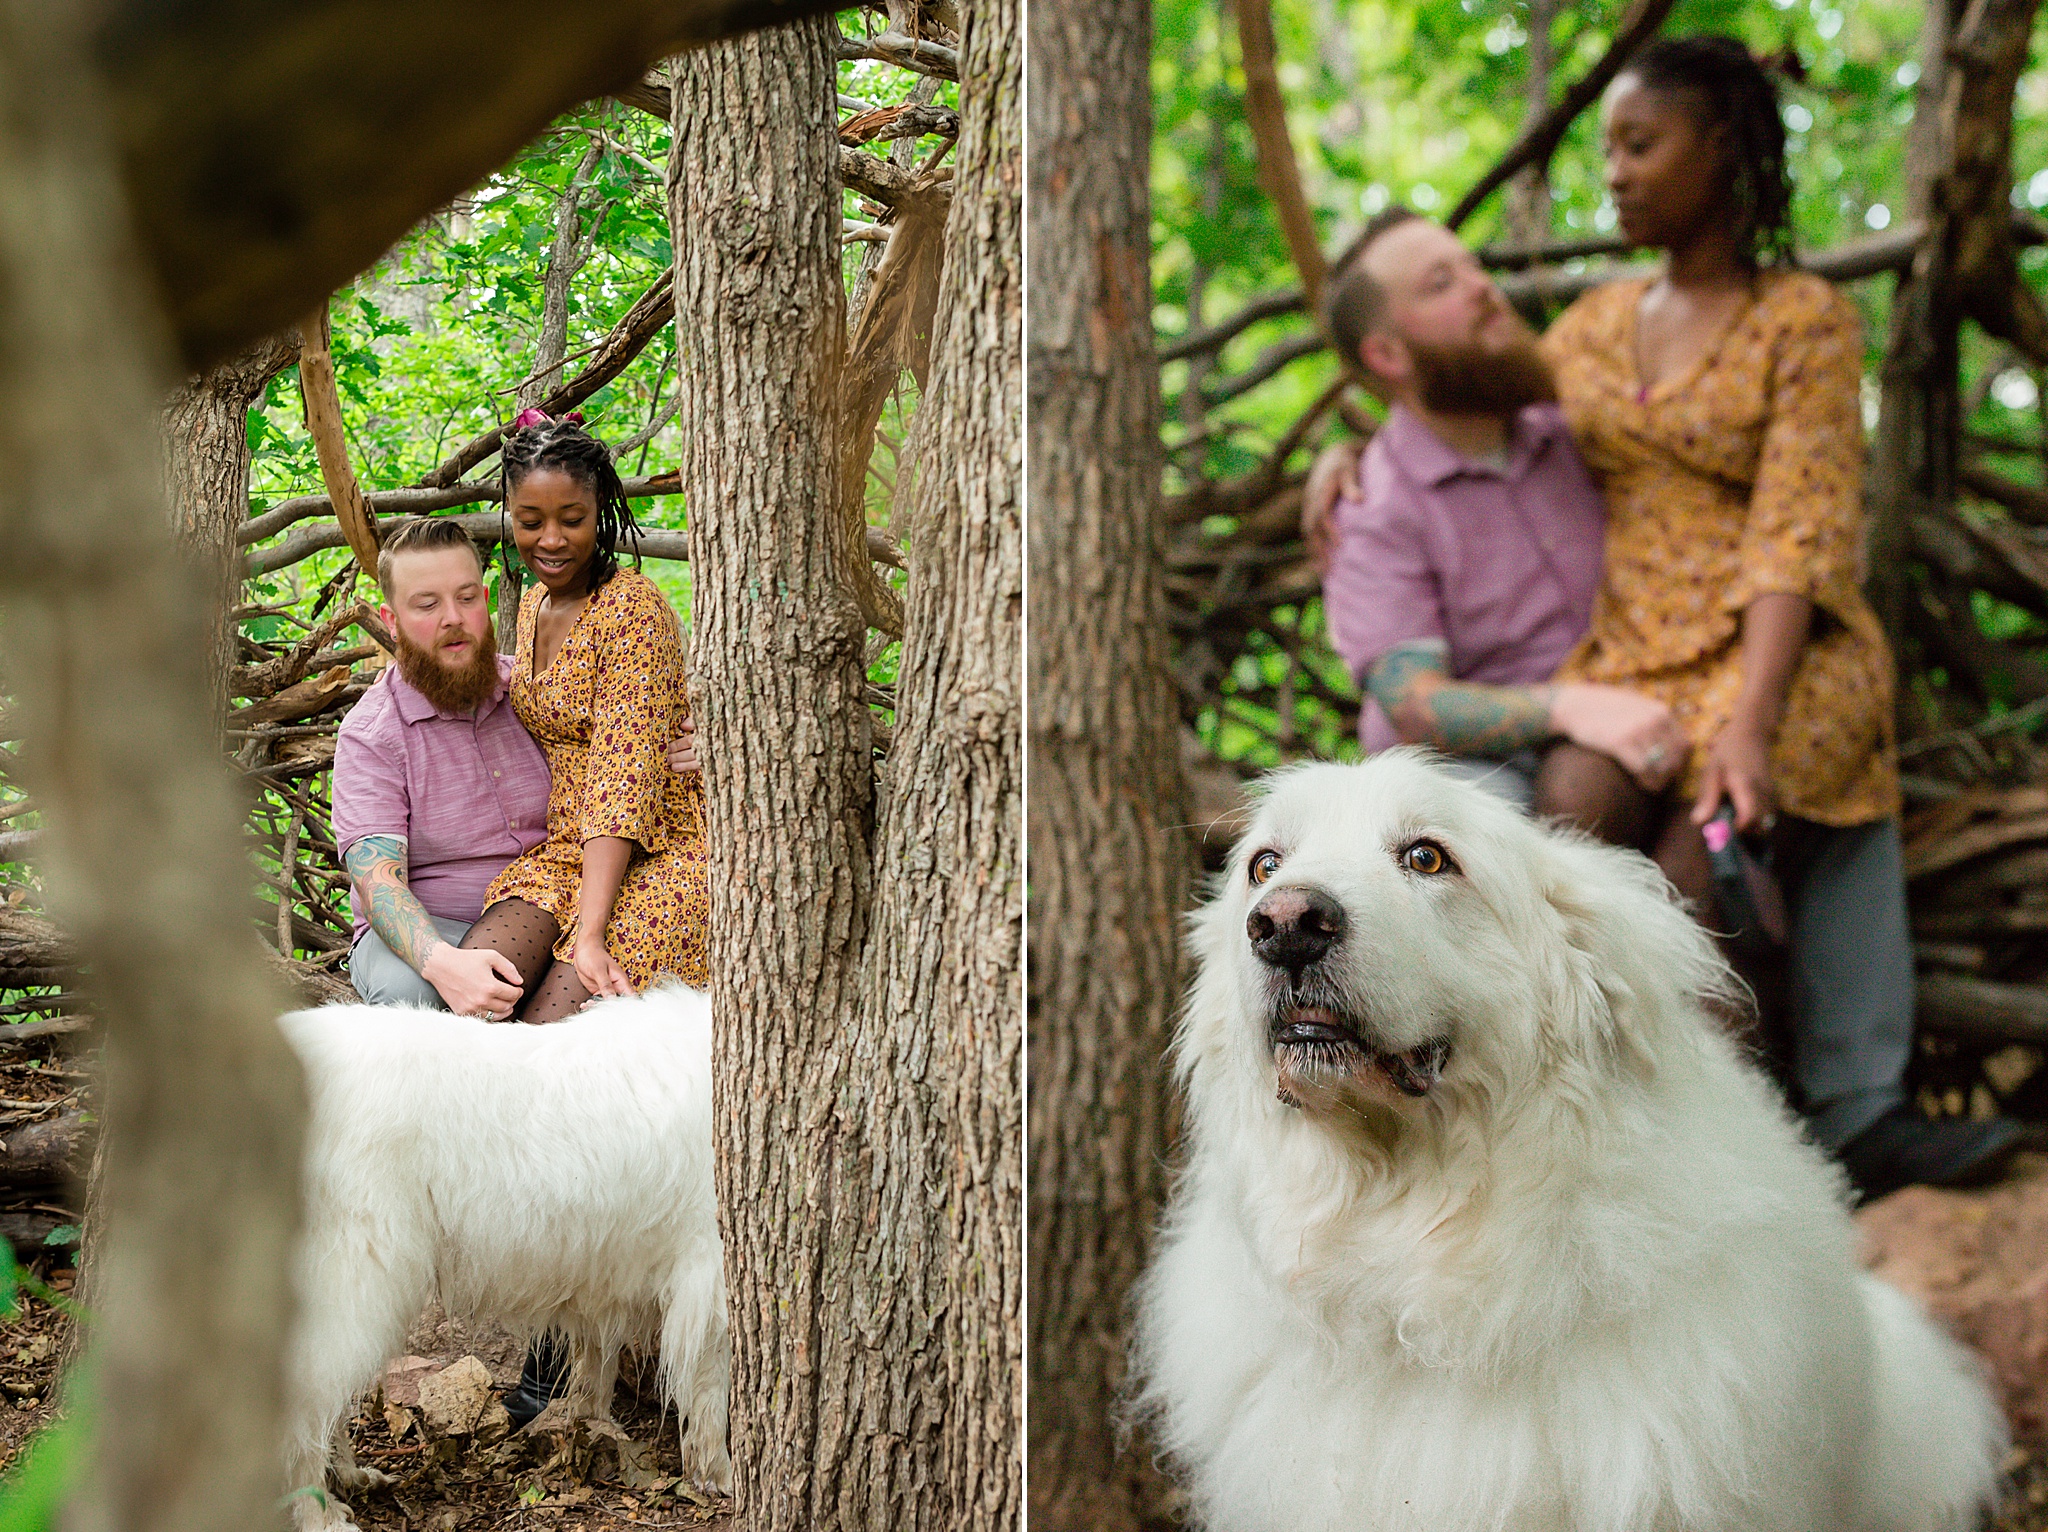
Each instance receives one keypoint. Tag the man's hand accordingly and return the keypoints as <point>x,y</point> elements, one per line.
<point>1635,730</point>
<point>1738,765</point>
<point>475,981</point>
<point>1335,474</point>
<point>682,751</point>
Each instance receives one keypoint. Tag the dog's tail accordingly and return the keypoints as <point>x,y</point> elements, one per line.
<point>1938,1439</point>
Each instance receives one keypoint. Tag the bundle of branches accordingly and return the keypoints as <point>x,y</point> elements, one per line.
<point>1959,540</point>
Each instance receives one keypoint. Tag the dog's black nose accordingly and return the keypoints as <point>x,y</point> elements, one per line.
<point>1292,927</point>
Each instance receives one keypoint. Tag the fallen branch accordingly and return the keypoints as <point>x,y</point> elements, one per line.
<point>907,119</point>
<point>259,681</point>
<point>1980,1008</point>
<point>891,185</point>
<point>912,53</point>
<point>44,1153</point>
<point>22,1033</point>
<point>310,540</point>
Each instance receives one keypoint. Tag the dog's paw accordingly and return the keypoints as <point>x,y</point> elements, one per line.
<point>356,1477</point>
<point>708,1465</point>
<point>321,1513</point>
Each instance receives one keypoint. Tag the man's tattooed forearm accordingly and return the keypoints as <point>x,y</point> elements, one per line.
<point>377,864</point>
<point>1412,683</point>
<point>1489,720</point>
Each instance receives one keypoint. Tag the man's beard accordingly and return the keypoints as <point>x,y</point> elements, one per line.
<point>1476,380</point>
<point>450,691</point>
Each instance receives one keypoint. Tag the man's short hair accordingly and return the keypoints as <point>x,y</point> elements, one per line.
<point>423,534</point>
<point>1354,301</point>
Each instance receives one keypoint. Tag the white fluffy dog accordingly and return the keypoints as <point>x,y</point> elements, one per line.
<point>1485,1225</point>
<point>554,1177</point>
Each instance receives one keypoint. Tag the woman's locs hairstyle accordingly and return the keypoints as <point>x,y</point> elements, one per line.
<point>1732,90</point>
<point>536,441</point>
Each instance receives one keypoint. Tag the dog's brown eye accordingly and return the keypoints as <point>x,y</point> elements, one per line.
<point>1425,856</point>
<point>1264,865</point>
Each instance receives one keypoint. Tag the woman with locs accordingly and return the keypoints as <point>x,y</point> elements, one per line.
<point>615,897</point>
<point>1718,405</point>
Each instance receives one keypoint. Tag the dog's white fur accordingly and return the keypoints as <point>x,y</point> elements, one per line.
<point>1593,1281</point>
<point>554,1177</point>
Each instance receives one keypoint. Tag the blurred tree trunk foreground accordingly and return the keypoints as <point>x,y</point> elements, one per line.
<point>1110,864</point>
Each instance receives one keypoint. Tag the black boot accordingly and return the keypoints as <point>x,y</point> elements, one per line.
<point>1903,1148</point>
<point>544,1377</point>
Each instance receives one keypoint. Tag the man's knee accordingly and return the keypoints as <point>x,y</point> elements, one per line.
<point>382,977</point>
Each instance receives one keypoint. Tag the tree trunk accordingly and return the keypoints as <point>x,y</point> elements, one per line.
<point>865,1049</point>
<point>777,693</point>
<point>206,474</point>
<point>1109,863</point>
<point>144,857</point>
<point>948,937</point>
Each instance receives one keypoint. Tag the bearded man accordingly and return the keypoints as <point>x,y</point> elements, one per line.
<point>437,785</point>
<point>1463,570</point>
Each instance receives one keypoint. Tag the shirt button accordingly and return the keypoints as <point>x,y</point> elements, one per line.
<point>494,773</point>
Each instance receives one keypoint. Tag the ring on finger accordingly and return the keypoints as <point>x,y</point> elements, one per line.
<point>1654,757</point>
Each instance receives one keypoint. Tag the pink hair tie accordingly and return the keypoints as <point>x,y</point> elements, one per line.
<point>536,416</point>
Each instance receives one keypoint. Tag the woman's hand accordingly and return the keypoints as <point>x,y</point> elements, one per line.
<point>682,750</point>
<point>597,968</point>
<point>1738,767</point>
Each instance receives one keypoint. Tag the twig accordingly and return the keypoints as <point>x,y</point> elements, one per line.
<point>284,882</point>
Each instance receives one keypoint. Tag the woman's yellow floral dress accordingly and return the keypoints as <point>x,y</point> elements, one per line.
<point>603,713</point>
<point>1739,477</point>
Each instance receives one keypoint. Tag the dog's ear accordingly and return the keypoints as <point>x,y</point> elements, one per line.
<point>1637,964</point>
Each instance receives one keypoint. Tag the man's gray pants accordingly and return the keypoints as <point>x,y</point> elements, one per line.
<point>1851,961</point>
<point>382,977</point>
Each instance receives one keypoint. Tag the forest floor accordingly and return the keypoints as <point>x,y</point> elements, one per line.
<point>542,1480</point>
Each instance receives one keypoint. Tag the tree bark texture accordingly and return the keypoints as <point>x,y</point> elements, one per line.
<point>867,1037</point>
<point>206,475</point>
<point>1109,862</point>
<point>272,149</point>
<point>144,857</point>
<point>777,686</point>
<point>948,923</point>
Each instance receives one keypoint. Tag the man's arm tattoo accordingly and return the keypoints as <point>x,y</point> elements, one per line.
<point>377,864</point>
<point>1412,682</point>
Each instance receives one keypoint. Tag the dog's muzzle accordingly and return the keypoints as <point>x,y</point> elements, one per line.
<point>1312,1034</point>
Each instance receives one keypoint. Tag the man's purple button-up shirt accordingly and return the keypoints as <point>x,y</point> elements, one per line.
<point>468,793</point>
<point>1500,564</point>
